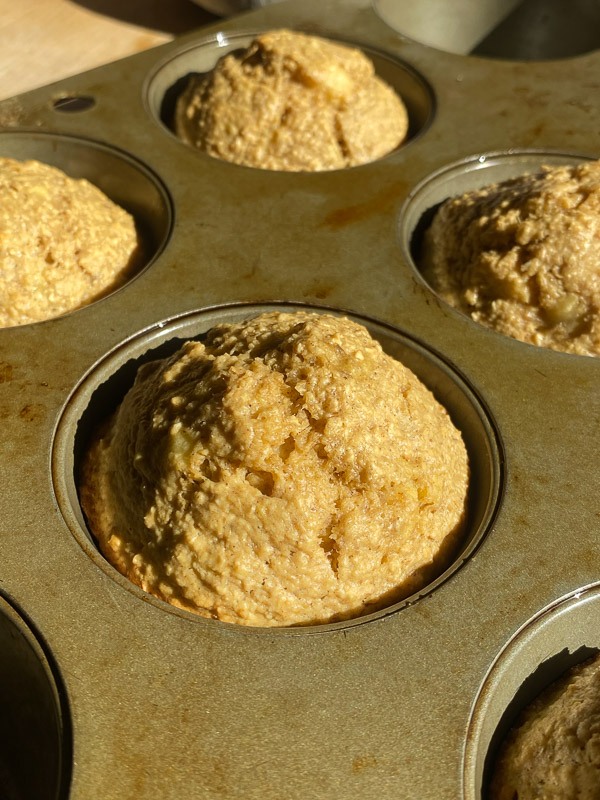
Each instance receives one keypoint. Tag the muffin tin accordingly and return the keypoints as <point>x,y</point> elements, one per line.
<point>111,693</point>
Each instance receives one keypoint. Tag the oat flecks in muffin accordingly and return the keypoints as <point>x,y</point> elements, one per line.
<point>292,102</point>
<point>553,752</point>
<point>523,257</point>
<point>63,243</point>
<point>284,471</point>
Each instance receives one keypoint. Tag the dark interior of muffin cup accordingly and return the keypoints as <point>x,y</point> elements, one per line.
<point>122,178</point>
<point>172,78</point>
<point>33,723</point>
<point>417,235</point>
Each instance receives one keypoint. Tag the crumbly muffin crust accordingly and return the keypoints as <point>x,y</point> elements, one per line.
<point>292,102</point>
<point>63,243</point>
<point>523,257</point>
<point>283,471</point>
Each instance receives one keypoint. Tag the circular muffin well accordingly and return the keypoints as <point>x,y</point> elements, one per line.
<point>34,717</point>
<point>167,82</point>
<point>100,393</point>
<point>542,651</point>
<point>466,176</point>
<point>121,177</point>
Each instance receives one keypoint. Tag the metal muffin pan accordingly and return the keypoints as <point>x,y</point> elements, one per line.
<point>409,702</point>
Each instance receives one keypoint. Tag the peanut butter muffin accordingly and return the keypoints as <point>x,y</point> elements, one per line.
<point>292,102</point>
<point>523,257</point>
<point>283,471</point>
<point>63,243</point>
<point>553,753</point>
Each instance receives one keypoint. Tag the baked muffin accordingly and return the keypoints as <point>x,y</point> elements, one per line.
<point>553,753</point>
<point>63,243</point>
<point>292,102</point>
<point>283,471</point>
<point>523,257</point>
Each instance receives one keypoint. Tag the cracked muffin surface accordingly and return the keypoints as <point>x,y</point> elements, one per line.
<point>63,243</point>
<point>282,471</point>
<point>523,257</point>
<point>553,752</point>
<point>292,102</point>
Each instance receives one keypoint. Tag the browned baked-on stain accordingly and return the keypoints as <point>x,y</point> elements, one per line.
<point>248,276</point>
<point>587,108</point>
<point>361,763</point>
<point>535,132</point>
<point>6,372</point>
<point>32,411</point>
<point>321,291</point>
<point>378,204</point>
<point>533,98</point>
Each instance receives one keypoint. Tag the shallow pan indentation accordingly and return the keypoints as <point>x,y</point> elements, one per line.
<point>560,636</point>
<point>124,179</point>
<point>169,79</point>
<point>32,720</point>
<point>102,389</point>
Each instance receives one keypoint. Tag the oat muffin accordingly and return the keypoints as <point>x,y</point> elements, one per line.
<point>292,102</point>
<point>63,243</point>
<point>283,471</point>
<point>553,753</point>
<point>523,257</point>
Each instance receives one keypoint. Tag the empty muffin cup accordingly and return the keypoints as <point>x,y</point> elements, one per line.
<point>33,717</point>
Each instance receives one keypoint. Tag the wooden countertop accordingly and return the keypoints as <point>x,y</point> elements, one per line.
<point>46,40</point>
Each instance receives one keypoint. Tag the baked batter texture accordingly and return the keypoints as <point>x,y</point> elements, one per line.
<point>292,102</point>
<point>553,753</point>
<point>523,257</point>
<point>283,471</point>
<point>63,243</point>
